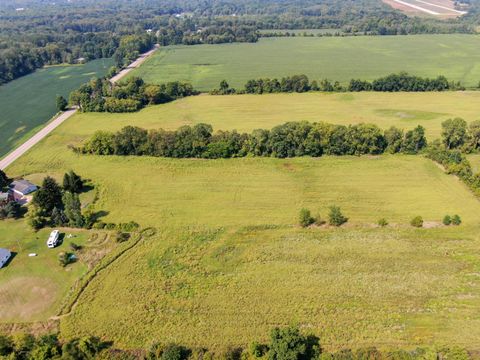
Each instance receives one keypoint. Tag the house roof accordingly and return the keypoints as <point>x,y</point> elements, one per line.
<point>4,253</point>
<point>4,196</point>
<point>21,185</point>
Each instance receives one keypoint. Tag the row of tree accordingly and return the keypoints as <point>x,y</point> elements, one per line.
<point>287,343</point>
<point>99,95</point>
<point>288,140</point>
<point>8,209</point>
<point>301,83</point>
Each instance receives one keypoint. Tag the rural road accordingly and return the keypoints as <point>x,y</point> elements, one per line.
<point>52,125</point>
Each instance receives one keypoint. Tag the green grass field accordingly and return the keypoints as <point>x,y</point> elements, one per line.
<point>228,262</point>
<point>365,57</point>
<point>248,112</point>
<point>29,102</point>
<point>32,288</point>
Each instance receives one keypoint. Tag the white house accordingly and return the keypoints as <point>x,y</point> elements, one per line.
<point>5,255</point>
<point>53,239</point>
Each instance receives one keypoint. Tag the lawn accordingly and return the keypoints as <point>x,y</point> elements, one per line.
<point>29,102</point>
<point>32,288</point>
<point>229,262</point>
<point>248,112</point>
<point>336,58</point>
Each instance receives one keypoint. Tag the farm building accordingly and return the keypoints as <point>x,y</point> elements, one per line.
<point>5,197</point>
<point>5,255</point>
<point>22,187</point>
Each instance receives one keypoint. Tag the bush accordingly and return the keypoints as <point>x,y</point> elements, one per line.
<point>121,236</point>
<point>305,218</point>
<point>382,222</point>
<point>65,258</point>
<point>417,221</point>
<point>258,350</point>
<point>75,247</point>
<point>335,217</point>
<point>447,220</point>
<point>99,225</point>
<point>456,220</point>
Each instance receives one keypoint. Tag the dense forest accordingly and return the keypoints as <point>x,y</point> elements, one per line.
<point>34,33</point>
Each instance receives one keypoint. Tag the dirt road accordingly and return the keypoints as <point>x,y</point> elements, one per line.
<point>39,136</point>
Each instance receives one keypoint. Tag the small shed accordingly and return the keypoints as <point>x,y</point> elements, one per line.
<point>5,255</point>
<point>22,187</point>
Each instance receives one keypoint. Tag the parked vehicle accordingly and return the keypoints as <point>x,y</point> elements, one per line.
<point>53,239</point>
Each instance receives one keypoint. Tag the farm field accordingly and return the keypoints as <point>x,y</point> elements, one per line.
<point>247,112</point>
<point>29,102</point>
<point>228,262</point>
<point>336,58</point>
<point>437,8</point>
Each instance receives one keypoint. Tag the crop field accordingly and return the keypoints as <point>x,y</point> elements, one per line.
<point>247,112</point>
<point>437,8</point>
<point>29,102</point>
<point>336,58</point>
<point>228,262</point>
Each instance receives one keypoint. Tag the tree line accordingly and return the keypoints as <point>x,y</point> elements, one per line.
<point>301,83</point>
<point>100,95</point>
<point>287,140</point>
<point>284,343</point>
<point>65,32</point>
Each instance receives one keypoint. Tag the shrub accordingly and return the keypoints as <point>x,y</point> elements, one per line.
<point>305,218</point>
<point>99,225</point>
<point>75,247</point>
<point>456,220</point>
<point>258,350</point>
<point>382,222</point>
<point>335,217</point>
<point>121,236</point>
<point>110,226</point>
<point>447,220</point>
<point>65,258</point>
<point>417,221</point>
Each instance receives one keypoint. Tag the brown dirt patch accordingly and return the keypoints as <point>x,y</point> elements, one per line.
<point>24,297</point>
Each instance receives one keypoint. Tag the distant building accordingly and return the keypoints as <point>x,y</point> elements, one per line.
<point>22,187</point>
<point>5,255</point>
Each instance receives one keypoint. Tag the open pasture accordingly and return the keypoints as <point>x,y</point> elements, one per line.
<point>29,102</point>
<point>336,58</point>
<point>247,112</point>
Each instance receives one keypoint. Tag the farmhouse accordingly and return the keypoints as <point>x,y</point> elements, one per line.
<point>19,190</point>
<point>5,255</point>
<point>22,187</point>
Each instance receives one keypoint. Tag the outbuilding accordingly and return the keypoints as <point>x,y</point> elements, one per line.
<point>5,255</point>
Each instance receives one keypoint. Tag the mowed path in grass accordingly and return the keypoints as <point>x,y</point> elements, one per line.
<point>28,103</point>
<point>336,58</point>
<point>247,112</point>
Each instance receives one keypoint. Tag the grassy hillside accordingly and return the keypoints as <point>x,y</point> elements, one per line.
<point>248,112</point>
<point>29,102</point>
<point>336,58</point>
<point>228,262</point>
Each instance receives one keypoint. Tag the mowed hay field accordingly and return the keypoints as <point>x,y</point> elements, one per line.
<point>247,112</point>
<point>336,58</point>
<point>29,102</point>
<point>228,261</point>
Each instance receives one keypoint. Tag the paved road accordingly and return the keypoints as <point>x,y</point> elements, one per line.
<point>35,139</point>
